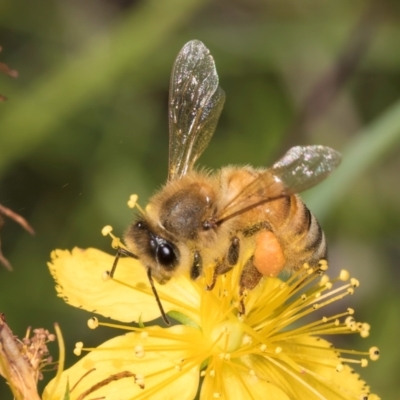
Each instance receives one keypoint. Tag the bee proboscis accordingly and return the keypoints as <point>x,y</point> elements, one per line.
<point>207,219</point>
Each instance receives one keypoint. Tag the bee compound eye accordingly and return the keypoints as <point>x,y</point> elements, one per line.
<point>165,254</point>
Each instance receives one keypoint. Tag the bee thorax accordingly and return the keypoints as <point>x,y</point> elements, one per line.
<point>183,213</point>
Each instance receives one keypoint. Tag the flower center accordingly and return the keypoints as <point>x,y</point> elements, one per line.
<point>227,336</point>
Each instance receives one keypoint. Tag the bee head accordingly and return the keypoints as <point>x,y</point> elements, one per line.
<point>156,252</point>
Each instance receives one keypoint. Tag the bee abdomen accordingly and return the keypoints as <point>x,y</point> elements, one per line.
<point>315,240</point>
<point>304,236</point>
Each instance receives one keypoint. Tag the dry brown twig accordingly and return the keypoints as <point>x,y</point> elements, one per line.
<point>8,71</point>
<point>4,211</point>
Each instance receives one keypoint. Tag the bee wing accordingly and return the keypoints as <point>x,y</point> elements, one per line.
<point>301,168</point>
<point>195,104</point>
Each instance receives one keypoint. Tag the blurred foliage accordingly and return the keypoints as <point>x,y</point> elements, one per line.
<point>85,125</point>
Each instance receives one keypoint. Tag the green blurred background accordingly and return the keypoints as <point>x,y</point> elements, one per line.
<point>85,125</point>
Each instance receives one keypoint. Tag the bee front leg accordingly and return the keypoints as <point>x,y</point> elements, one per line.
<point>249,279</point>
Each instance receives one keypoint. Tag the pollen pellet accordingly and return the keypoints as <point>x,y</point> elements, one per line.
<point>278,350</point>
<point>263,347</point>
<point>350,311</point>
<point>203,373</point>
<point>212,373</point>
<point>217,395</point>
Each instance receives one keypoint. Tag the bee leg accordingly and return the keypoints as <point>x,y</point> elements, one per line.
<point>210,286</point>
<point>233,251</point>
<point>249,279</point>
<point>231,258</point>
<point>120,252</point>
<point>197,266</point>
<point>220,268</point>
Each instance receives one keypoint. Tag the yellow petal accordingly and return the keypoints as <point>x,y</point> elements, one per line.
<point>239,383</point>
<point>133,367</point>
<point>307,369</point>
<point>80,282</point>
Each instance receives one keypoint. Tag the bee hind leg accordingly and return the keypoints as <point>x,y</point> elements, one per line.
<point>249,279</point>
<point>219,269</point>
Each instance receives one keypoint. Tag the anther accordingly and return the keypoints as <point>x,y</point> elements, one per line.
<point>364,363</point>
<point>78,348</point>
<point>354,282</point>
<point>139,351</point>
<point>339,367</point>
<point>105,276</point>
<point>344,275</point>
<point>132,200</point>
<point>374,353</point>
<point>93,323</point>
<point>106,230</point>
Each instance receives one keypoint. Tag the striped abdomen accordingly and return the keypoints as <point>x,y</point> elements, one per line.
<point>296,228</point>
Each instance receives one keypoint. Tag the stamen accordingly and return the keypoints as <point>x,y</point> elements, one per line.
<point>374,353</point>
<point>78,348</point>
<point>132,203</point>
<point>139,351</point>
<point>132,200</point>
<point>106,230</point>
<point>105,276</point>
<point>93,323</point>
<point>344,275</point>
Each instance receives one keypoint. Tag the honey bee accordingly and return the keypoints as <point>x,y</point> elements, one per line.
<point>244,216</point>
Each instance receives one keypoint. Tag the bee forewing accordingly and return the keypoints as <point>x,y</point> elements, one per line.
<point>195,104</point>
<point>302,167</point>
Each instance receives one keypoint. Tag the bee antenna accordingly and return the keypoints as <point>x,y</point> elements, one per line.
<point>153,288</point>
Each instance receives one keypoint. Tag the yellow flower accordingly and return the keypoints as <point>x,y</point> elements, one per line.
<point>272,352</point>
